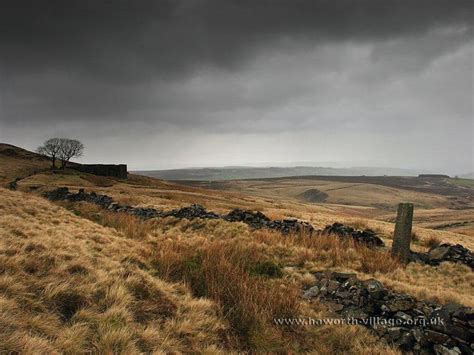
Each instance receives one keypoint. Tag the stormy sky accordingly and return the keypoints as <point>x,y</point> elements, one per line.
<point>166,84</point>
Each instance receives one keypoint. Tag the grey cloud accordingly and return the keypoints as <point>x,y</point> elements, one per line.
<point>187,71</point>
<point>129,41</point>
<point>115,47</point>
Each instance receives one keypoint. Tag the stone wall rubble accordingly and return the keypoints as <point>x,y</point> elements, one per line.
<point>415,327</point>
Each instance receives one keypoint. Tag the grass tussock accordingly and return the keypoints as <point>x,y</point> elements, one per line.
<point>432,242</point>
<point>373,261</point>
<point>415,238</point>
<point>359,224</point>
<point>100,181</point>
<point>131,226</point>
<point>328,251</point>
<point>234,276</point>
<point>446,283</point>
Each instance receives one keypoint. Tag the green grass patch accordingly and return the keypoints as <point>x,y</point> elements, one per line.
<point>462,182</point>
<point>266,269</point>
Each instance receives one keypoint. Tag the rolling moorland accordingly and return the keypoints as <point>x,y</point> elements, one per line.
<point>77,277</point>
<point>241,172</point>
<point>441,203</point>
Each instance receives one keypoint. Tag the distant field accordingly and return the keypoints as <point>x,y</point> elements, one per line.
<point>234,173</point>
<point>375,191</point>
<point>463,182</point>
<point>440,204</point>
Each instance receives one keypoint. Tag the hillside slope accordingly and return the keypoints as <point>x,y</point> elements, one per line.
<point>16,162</point>
<point>70,285</point>
<point>242,172</point>
<point>76,277</point>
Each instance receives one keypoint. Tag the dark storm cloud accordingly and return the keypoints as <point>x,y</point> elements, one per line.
<point>234,67</point>
<point>123,42</point>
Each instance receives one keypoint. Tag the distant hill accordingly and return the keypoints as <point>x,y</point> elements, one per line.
<point>235,173</point>
<point>12,151</point>
<point>18,162</point>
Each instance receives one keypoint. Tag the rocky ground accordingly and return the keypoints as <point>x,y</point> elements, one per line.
<point>445,252</point>
<point>413,326</point>
<point>367,236</point>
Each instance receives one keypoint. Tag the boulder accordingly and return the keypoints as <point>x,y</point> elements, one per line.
<point>311,293</point>
<point>400,303</point>
<point>367,237</point>
<point>438,253</point>
<point>436,337</point>
<point>258,220</point>
<point>333,285</point>
<point>442,350</point>
<point>191,212</point>
<point>374,288</point>
<point>445,252</point>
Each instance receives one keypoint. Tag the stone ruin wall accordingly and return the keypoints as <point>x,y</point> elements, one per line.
<point>114,170</point>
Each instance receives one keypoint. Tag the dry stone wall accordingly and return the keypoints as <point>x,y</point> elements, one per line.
<point>258,220</point>
<point>113,170</point>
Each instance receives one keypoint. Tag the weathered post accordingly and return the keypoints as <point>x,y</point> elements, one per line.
<point>402,234</point>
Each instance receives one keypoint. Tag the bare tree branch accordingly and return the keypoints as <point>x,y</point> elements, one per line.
<point>61,148</point>
<point>69,148</point>
<point>51,149</point>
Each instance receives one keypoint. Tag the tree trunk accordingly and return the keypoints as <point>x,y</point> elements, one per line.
<point>53,160</point>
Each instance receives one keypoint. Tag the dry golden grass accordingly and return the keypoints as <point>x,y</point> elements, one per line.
<point>357,200</point>
<point>145,191</point>
<point>300,255</point>
<point>16,163</point>
<point>125,223</point>
<point>326,252</point>
<point>348,193</point>
<point>432,242</point>
<point>228,270</point>
<point>67,177</point>
<point>224,272</point>
<point>454,220</point>
<point>100,181</point>
<point>89,279</point>
<point>69,285</point>
<point>443,284</point>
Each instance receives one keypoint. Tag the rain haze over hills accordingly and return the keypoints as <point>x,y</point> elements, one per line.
<point>173,84</point>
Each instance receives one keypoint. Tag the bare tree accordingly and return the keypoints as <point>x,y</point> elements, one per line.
<point>51,149</point>
<point>61,149</point>
<point>69,148</point>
